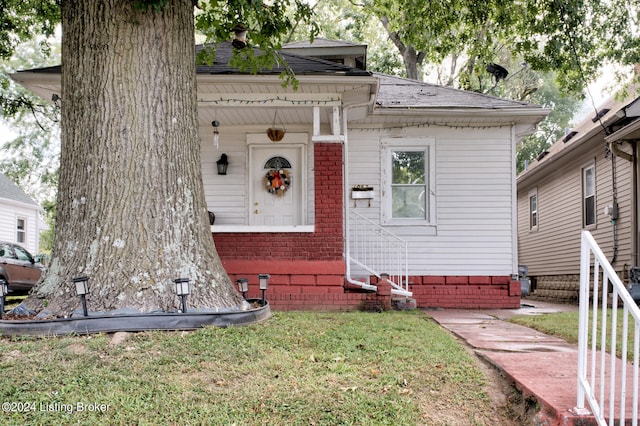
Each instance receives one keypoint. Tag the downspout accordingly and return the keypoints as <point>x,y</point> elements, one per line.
<point>514,205</point>
<point>345,197</point>
<point>634,207</point>
<point>614,213</point>
<point>616,152</point>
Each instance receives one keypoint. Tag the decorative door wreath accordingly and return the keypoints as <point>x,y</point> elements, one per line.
<point>277,181</point>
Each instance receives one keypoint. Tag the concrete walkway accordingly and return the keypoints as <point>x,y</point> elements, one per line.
<point>539,365</point>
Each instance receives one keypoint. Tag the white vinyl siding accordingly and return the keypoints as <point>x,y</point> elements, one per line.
<point>471,229</point>
<point>10,212</point>
<point>555,248</point>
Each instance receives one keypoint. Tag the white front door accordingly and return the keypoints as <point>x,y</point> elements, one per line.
<point>276,188</point>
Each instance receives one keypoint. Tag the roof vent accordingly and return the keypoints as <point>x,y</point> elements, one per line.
<point>569,135</point>
<point>542,155</point>
<point>600,114</point>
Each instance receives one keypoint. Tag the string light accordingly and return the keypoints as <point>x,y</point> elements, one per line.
<point>423,126</point>
<point>227,101</point>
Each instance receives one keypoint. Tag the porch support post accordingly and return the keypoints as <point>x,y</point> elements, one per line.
<point>335,122</point>
<point>336,135</point>
<point>316,121</point>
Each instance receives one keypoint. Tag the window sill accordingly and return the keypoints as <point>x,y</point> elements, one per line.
<point>220,229</point>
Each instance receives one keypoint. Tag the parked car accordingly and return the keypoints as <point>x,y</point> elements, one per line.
<point>18,267</point>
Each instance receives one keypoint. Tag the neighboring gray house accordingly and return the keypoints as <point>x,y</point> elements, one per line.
<point>587,180</point>
<point>19,216</point>
<point>359,156</point>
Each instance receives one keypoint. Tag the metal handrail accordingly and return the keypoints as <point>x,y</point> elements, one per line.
<point>587,383</point>
<point>377,250</point>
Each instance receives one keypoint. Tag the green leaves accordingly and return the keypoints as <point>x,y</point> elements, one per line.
<point>268,24</point>
<point>21,20</point>
<point>572,38</point>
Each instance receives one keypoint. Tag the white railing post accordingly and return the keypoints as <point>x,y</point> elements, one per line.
<point>375,250</point>
<point>585,261</point>
<point>617,382</point>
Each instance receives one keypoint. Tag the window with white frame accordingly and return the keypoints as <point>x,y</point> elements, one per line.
<point>408,174</point>
<point>589,195</point>
<point>21,230</point>
<point>533,210</point>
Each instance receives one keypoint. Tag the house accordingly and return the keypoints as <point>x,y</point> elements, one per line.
<point>355,175</point>
<point>587,180</point>
<point>19,216</point>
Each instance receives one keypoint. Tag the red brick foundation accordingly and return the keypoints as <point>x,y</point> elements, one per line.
<point>308,285</point>
<point>465,292</point>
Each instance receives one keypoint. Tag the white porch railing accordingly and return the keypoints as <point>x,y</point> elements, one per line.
<point>375,250</point>
<point>603,382</point>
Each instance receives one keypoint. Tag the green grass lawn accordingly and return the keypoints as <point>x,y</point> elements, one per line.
<point>393,368</point>
<point>565,326</point>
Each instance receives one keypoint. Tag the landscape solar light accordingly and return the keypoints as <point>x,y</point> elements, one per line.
<point>4,290</point>
<point>182,290</point>
<point>243,286</point>
<point>263,281</point>
<point>82,289</point>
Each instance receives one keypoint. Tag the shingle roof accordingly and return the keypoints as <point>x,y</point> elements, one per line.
<point>404,93</point>
<point>11,191</point>
<point>321,42</point>
<point>301,65</point>
<point>586,129</point>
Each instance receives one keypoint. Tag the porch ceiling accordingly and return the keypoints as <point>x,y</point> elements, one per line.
<point>246,100</point>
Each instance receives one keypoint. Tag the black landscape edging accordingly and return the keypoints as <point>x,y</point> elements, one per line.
<point>134,322</point>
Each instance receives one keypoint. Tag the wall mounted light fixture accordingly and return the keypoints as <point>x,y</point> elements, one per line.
<point>222,164</point>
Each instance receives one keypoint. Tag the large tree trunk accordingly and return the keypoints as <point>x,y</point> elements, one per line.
<point>131,213</point>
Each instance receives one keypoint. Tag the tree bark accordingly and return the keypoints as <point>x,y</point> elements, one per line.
<point>131,211</point>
